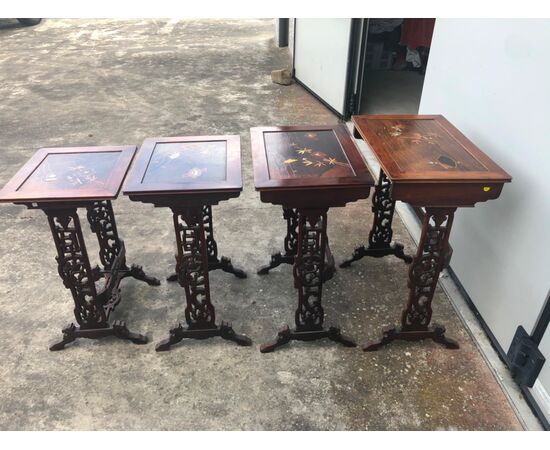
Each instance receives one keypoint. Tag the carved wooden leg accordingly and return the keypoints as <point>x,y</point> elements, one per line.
<point>78,276</point>
<point>102,222</point>
<point>214,262</point>
<point>308,278</point>
<point>290,243</point>
<point>291,240</point>
<point>431,256</point>
<point>380,236</point>
<point>192,270</point>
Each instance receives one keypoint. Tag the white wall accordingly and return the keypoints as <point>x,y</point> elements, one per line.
<point>491,79</point>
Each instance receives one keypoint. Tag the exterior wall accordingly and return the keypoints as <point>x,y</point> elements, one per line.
<point>491,79</point>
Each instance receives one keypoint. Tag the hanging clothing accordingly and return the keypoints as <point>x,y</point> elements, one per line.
<point>413,57</point>
<point>417,33</point>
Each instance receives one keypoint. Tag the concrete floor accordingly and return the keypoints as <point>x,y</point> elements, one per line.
<point>68,82</point>
<point>392,92</point>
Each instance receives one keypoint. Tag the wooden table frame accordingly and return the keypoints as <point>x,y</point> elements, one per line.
<point>93,306</point>
<point>439,192</point>
<point>197,251</point>
<point>305,203</point>
<point>290,245</point>
<point>380,242</point>
<point>215,262</point>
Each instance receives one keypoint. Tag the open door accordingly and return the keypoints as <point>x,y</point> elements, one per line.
<point>328,61</point>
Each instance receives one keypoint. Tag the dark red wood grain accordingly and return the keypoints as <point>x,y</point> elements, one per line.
<point>429,161</point>
<point>326,190</point>
<point>263,180</point>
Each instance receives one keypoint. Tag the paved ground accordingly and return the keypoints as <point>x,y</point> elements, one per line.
<point>67,82</point>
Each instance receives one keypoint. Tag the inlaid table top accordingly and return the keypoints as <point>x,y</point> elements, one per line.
<point>425,150</point>
<point>186,165</point>
<point>70,174</point>
<point>308,161</point>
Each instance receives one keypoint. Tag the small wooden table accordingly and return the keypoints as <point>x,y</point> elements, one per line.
<point>307,170</point>
<point>59,181</point>
<point>188,175</point>
<point>426,162</point>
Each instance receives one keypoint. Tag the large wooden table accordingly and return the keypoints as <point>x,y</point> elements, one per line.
<point>426,162</point>
<point>59,181</point>
<point>188,175</point>
<point>307,170</point>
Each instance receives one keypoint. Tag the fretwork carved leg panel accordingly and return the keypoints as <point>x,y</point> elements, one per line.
<point>291,248</point>
<point>102,222</point>
<point>308,279</point>
<point>192,271</point>
<point>214,262</point>
<point>431,257</point>
<point>92,308</point>
<point>291,242</point>
<point>380,236</point>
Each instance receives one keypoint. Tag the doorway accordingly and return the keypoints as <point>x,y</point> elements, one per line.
<point>395,60</point>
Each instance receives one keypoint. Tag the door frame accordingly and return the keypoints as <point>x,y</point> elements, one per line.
<point>354,69</point>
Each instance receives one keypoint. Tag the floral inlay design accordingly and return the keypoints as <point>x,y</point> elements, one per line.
<point>304,154</point>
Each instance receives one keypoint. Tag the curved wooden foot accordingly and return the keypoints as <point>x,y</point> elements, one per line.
<point>118,329</point>
<point>69,335</point>
<point>377,252</point>
<point>276,260</point>
<point>172,278</point>
<point>228,333</point>
<point>225,331</point>
<point>440,338</point>
<point>121,331</point>
<point>175,335</point>
<point>334,334</point>
<point>286,335</point>
<point>137,272</point>
<point>225,264</point>
<point>398,251</point>
<point>283,337</point>
<point>389,334</point>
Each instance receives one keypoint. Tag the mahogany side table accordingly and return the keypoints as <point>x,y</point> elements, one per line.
<point>426,162</point>
<point>308,170</point>
<point>188,175</point>
<point>59,181</point>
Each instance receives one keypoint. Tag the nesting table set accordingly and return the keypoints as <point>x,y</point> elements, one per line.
<point>425,162</point>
